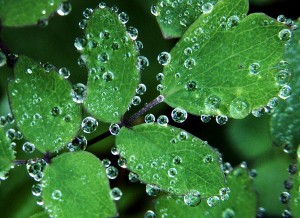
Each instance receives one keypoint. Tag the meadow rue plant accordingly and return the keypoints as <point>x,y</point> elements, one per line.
<point>226,65</point>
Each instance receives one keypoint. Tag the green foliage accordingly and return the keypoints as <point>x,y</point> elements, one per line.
<point>286,119</point>
<point>241,202</point>
<point>171,158</point>
<point>40,215</point>
<point>111,57</point>
<point>75,185</point>
<point>6,154</point>
<point>295,192</point>
<point>42,105</point>
<point>215,75</point>
<point>26,12</point>
<point>174,17</point>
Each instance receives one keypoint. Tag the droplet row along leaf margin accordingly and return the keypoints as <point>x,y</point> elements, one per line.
<point>42,105</point>
<point>285,119</point>
<point>6,154</point>
<point>111,56</point>
<point>242,201</point>
<point>75,185</point>
<point>171,159</point>
<point>218,54</point>
<point>174,17</point>
<point>29,12</point>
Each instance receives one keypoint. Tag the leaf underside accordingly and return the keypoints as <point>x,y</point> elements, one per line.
<point>108,98</point>
<point>211,75</point>
<point>151,151</point>
<point>286,119</point>
<point>174,17</point>
<point>26,12</point>
<point>42,106</point>
<point>241,203</point>
<point>75,185</point>
<point>6,154</point>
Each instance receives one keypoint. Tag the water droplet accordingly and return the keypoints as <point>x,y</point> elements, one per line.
<point>149,118</point>
<point>177,160</point>
<point>283,77</point>
<point>212,102</point>
<point>123,17</point>
<point>221,119</point>
<point>258,112</point>
<point>108,76</point>
<point>285,35</point>
<point>106,162</point>
<point>64,8</point>
<point>152,189</point>
<point>164,58</point>
<point>89,124</point>
<point>153,10</point>
<point>122,162</point>
<point>40,201</point>
<point>213,201</point>
<point>64,72</point>
<point>132,32</point>
<point>47,67</point>
<point>37,189</point>
<point>82,24</point>
<point>224,193</point>
<point>115,151</point>
<point>239,108</point>
<point>179,115</point>
<point>78,93</point>
<point>208,159</point>
<point>150,214</point>
<point>191,86</point>
<point>112,172</point>
<point>28,147</point>
<point>78,143</point>
<point>103,57</point>
<point>228,213</point>
<point>273,102</point>
<point>207,8</point>
<point>102,5</point>
<point>281,18</point>
<point>159,87</point>
<point>233,21</point>
<point>189,63</point>
<point>87,13</point>
<point>172,172</point>
<point>35,168</point>
<point>285,197</point>
<point>205,118</point>
<point>287,214</point>
<point>80,43</point>
<point>114,129</point>
<point>116,193</point>
<point>182,136</point>
<point>254,68</point>
<point>285,92</point>
<point>133,177</point>
<point>55,111</point>
<point>141,89</point>
<point>192,198</point>
<point>56,195</point>
<point>10,134</point>
<point>136,100</point>
<point>227,168</point>
<point>261,212</point>
<point>142,62</point>
<point>162,120</point>
<point>160,76</point>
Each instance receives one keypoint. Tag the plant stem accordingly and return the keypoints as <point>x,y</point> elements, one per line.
<point>20,162</point>
<point>147,107</point>
<point>98,138</point>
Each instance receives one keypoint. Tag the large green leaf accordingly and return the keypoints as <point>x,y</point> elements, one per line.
<point>75,185</point>
<point>171,158</point>
<point>112,59</point>
<point>6,154</point>
<point>174,17</point>
<point>42,105</point>
<point>225,63</point>
<point>27,12</point>
<point>242,201</point>
<point>286,118</point>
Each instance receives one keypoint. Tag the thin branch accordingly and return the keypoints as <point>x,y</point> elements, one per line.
<point>20,162</point>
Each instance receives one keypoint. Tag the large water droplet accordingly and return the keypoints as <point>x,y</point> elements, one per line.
<point>112,172</point>
<point>78,93</point>
<point>28,147</point>
<point>179,115</point>
<point>228,213</point>
<point>116,193</point>
<point>114,129</point>
<point>89,124</point>
<point>285,92</point>
<point>152,189</point>
<point>132,32</point>
<point>162,120</point>
<point>64,8</point>
<point>78,143</point>
<point>164,58</point>
<point>221,119</point>
<point>149,118</point>
<point>254,68</point>
<point>123,17</point>
<point>35,168</point>
<point>213,201</point>
<point>207,8</point>
<point>285,35</point>
<point>64,72</point>
<point>56,195</point>
<point>150,214</point>
<point>192,198</point>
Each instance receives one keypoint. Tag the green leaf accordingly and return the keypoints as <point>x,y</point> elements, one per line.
<point>42,214</point>
<point>295,192</point>
<point>241,203</point>
<point>211,75</point>
<point>174,17</point>
<point>286,118</point>
<point>6,154</point>
<point>75,185</point>
<point>171,158</point>
<point>26,12</point>
<point>111,57</point>
<point>42,106</point>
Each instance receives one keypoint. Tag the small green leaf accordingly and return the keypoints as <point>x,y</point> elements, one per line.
<point>6,154</point>
<point>28,12</point>
<point>241,203</point>
<point>227,62</point>
<point>75,185</point>
<point>295,192</point>
<point>286,118</point>
<point>42,214</point>
<point>42,105</point>
<point>112,59</point>
<point>174,17</point>
<point>171,158</point>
